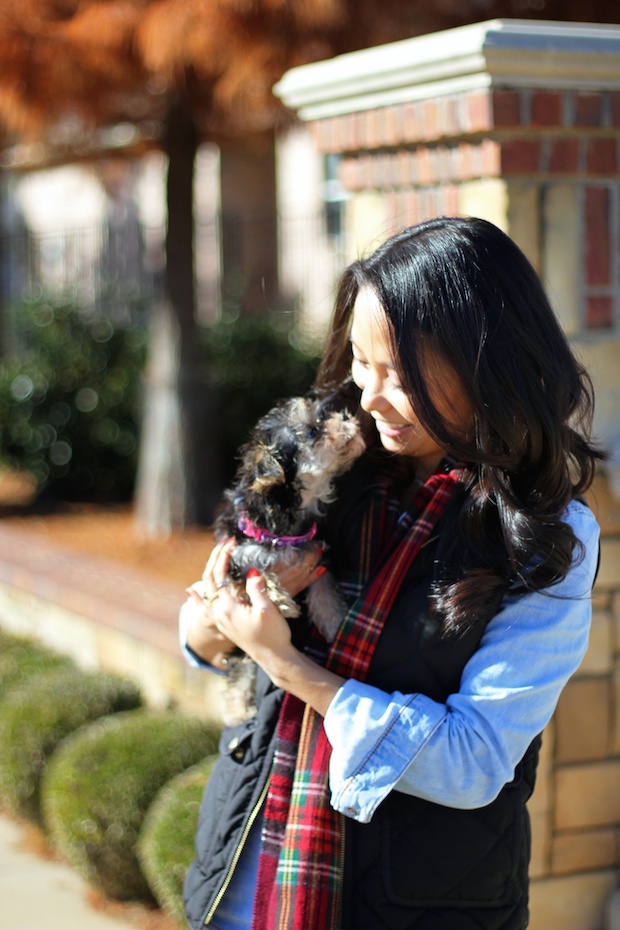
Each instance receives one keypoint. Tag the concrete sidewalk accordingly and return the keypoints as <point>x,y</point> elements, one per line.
<point>43,894</point>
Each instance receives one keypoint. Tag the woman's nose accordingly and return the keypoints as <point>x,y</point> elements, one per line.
<point>372,397</point>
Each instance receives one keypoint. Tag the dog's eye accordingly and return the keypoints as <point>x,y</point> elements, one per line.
<point>312,432</point>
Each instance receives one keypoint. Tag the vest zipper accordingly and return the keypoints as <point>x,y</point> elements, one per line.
<point>242,841</point>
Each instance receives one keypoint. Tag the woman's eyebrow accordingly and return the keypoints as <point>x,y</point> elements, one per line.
<point>389,365</point>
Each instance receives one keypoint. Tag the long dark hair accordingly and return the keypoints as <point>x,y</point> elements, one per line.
<point>462,287</point>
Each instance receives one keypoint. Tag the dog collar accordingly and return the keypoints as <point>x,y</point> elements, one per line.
<point>252,531</point>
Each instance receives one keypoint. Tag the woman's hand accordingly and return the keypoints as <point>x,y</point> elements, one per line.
<point>203,636</point>
<point>258,628</point>
<point>296,578</point>
<point>252,622</point>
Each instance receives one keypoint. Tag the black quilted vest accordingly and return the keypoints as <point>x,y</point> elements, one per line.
<point>417,865</point>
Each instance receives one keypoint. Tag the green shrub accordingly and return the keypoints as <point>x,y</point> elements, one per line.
<point>36,716</point>
<point>100,784</point>
<point>166,841</point>
<point>68,402</point>
<point>21,657</point>
<point>253,362</point>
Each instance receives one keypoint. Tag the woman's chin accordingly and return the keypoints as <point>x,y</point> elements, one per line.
<point>394,444</point>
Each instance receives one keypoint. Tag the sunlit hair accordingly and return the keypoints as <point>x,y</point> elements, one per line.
<point>462,288</point>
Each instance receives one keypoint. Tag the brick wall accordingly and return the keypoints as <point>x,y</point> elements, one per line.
<point>575,809</point>
<point>423,156</point>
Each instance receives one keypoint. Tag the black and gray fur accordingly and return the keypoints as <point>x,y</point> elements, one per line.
<point>283,485</point>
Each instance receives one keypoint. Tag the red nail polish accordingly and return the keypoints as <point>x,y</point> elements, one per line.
<point>320,571</point>
<point>253,573</point>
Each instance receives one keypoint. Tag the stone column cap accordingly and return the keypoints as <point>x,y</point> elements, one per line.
<point>497,53</point>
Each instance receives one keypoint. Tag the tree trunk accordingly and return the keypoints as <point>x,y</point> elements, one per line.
<point>249,220</point>
<point>178,477</point>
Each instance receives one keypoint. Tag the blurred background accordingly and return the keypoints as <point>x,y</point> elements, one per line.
<point>170,234</point>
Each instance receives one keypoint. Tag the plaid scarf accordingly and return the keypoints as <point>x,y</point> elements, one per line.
<point>302,852</point>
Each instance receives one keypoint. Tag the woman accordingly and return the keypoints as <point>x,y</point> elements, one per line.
<point>389,785</point>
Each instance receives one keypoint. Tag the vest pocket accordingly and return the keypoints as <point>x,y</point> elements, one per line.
<point>235,740</point>
<point>439,856</point>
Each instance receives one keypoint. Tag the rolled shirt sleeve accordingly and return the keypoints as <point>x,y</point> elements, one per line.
<point>461,753</point>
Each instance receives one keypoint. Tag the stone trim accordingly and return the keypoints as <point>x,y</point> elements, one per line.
<point>514,53</point>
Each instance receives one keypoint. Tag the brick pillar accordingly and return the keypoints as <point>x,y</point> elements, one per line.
<point>517,122</point>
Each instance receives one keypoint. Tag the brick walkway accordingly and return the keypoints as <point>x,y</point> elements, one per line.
<point>98,588</point>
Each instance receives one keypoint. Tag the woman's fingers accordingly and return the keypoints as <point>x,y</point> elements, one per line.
<point>194,595</point>
<point>268,627</point>
<point>216,556</point>
<point>221,564</point>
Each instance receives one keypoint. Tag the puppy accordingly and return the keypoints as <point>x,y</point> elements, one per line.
<point>283,485</point>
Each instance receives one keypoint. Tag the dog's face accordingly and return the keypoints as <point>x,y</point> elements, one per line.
<point>294,454</point>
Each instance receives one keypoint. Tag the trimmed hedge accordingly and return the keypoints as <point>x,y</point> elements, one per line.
<point>166,841</point>
<point>38,714</point>
<point>20,658</point>
<point>100,784</point>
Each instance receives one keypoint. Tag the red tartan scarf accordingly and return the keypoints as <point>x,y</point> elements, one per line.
<point>300,870</point>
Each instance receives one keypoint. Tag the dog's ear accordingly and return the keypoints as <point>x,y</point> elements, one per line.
<point>267,471</point>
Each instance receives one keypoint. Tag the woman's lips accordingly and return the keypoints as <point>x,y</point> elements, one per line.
<point>388,429</point>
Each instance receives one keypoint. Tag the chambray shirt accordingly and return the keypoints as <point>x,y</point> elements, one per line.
<point>461,753</point>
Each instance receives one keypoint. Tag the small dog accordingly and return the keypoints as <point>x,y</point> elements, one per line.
<point>283,485</point>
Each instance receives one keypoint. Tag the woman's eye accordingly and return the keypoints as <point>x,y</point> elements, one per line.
<point>358,368</point>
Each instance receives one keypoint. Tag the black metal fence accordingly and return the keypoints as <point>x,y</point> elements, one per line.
<point>114,270</point>
<point>119,270</point>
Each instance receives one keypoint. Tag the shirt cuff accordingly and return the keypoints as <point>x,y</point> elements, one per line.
<point>374,737</point>
<point>192,658</point>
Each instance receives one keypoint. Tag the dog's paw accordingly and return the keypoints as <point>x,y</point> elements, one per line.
<point>278,596</point>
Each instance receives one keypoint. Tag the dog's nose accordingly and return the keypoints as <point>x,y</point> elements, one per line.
<point>345,398</point>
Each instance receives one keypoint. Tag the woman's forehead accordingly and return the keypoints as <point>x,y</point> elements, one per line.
<point>371,331</point>
<point>369,317</point>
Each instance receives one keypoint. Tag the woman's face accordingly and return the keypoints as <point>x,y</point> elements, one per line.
<point>373,371</point>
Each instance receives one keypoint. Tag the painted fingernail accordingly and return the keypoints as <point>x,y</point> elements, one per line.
<point>253,573</point>
<point>320,571</point>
